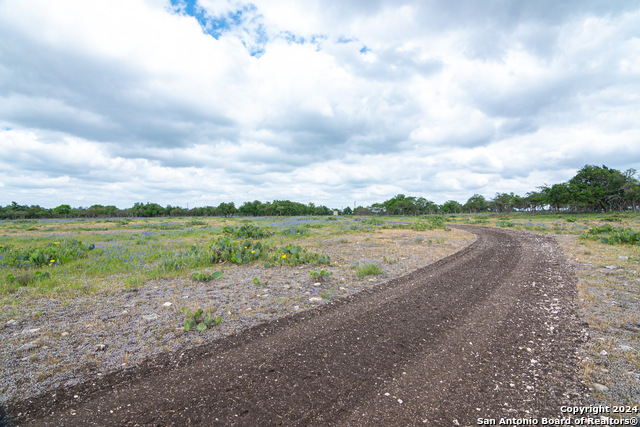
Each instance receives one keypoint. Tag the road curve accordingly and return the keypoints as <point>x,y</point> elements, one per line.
<point>489,332</point>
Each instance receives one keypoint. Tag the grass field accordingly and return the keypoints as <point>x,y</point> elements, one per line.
<point>64,259</point>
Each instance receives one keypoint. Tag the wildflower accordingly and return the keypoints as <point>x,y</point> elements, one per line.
<point>284,256</point>
<point>52,261</point>
<point>252,251</point>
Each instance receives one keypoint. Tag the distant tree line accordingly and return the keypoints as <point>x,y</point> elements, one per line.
<point>593,189</point>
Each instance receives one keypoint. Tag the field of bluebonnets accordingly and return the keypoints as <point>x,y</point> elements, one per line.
<point>273,266</point>
<point>59,257</point>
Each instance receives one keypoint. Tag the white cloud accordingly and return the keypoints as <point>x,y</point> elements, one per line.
<point>449,99</point>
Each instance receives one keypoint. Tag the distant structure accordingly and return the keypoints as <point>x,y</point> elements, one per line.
<point>335,213</point>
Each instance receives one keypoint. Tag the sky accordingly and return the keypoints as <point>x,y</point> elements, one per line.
<point>335,102</point>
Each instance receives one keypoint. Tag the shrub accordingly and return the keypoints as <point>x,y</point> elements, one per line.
<point>294,255</point>
<point>247,232</point>
<point>227,248</point>
<point>368,269</point>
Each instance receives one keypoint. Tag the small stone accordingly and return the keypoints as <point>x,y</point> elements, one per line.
<point>400,401</point>
<point>623,257</point>
<point>31,331</point>
<point>604,353</point>
<point>286,287</point>
<point>626,348</point>
<point>316,284</point>
<point>11,322</point>
<point>610,267</point>
<point>315,299</point>
<point>29,346</point>
<point>150,316</point>
<point>296,308</point>
<point>166,304</point>
<point>101,347</point>
<point>64,334</point>
<point>600,387</point>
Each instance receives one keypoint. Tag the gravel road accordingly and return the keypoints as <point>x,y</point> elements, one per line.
<point>490,332</point>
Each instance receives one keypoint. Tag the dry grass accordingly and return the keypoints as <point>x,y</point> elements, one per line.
<point>609,300</point>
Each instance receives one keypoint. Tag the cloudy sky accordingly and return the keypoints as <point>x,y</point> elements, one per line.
<point>197,102</point>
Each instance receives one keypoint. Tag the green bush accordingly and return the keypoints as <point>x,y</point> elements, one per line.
<point>295,255</point>
<point>368,270</point>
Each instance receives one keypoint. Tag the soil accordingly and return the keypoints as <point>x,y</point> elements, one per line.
<point>490,332</point>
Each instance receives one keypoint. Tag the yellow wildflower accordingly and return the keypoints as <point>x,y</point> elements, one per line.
<point>284,256</point>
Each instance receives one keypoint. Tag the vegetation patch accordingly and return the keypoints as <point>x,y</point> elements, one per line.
<point>368,270</point>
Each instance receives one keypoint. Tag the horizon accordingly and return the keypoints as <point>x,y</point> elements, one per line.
<point>202,102</point>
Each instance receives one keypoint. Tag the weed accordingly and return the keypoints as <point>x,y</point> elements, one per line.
<point>327,294</point>
<point>204,277</point>
<point>368,269</point>
<point>320,275</point>
<point>197,319</point>
<point>134,282</point>
<point>259,283</point>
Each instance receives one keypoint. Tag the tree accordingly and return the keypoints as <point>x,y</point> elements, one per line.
<point>62,210</point>
<point>598,188</point>
<point>476,203</point>
<point>226,209</point>
<point>451,207</point>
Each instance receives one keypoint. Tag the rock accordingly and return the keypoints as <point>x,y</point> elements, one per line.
<point>30,331</point>
<point>166,304</point>
<point>101,347</point>
<point>11,322</point>
<point>29,346</point>
<point>296,307</point>
<point>150,316</point>
<point>315,299</point>
<point>604,353</point>
<point>611,267</point>
<point>600,387</point>
<point>623,257</point>
<point>64,334</point>
<point>286,287</point>
<point>626,348</point>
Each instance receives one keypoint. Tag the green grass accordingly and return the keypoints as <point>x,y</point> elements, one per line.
<point>368,270</point>
<point>129,252</point>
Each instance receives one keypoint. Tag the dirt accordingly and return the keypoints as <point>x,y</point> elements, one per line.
<point>490,332</point>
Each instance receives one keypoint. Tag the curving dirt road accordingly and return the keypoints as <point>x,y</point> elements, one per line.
<point>489,332</point>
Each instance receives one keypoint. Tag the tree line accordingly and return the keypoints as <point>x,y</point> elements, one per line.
<point>592,189</point>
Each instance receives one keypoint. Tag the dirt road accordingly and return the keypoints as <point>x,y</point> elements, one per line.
<point>489,332</point>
